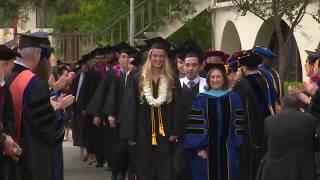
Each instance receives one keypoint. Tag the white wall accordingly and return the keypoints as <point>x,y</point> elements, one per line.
<point>247,27</point>
<point>30,25</point>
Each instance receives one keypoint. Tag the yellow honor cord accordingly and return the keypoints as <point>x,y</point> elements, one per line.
<point>153,122</point>
<point>161,127</point>
<point>271,110</point>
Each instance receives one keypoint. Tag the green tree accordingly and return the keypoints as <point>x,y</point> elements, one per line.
<point>199,29</point>
<point>273,12</point>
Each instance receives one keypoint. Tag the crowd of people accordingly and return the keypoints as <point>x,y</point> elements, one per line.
<point>157,112</point>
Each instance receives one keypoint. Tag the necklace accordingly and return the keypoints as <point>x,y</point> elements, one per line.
<point>162,95</point>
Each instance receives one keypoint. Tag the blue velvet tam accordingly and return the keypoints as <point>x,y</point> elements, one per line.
<point>264,52</point>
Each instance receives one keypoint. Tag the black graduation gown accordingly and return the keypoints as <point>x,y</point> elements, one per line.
<point>113,101</point>
<point>7,126</point>
<point>38,128</point>
<point>7,116</point>
<point>102,133</point>
<point>90,84</point>
<point>119,156</point>
<point>153,161</point>
<point>181,159</point>
<point>253,148</point>
<point>77,119</point>
<point>290,153</point>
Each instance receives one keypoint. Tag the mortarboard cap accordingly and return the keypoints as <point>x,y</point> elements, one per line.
<point>108,49</point>
<point>222,67</point>
<point>233,61</point>
<point>7,54</point>
<point>30,40</point>
<point>45,36</point>
<point>191,48</point>
<point>159,43</point>
<point>225,57</point>
<point>124,47</point>
<point>98,52</point>
<point>138,58</point>
<point>313,56</point>
<point>264,52</point>
<point>250,59</point>
<point>84,59</point>
<point>177,51</point>
<point>210,53</point>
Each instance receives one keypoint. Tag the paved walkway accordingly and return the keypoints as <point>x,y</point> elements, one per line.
<point>76,169</point>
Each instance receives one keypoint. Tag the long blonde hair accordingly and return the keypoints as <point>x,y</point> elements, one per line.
<point>146,75</point>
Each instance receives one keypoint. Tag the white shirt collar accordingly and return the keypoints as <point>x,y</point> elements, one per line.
<point>18,61</point>
<point>195,80</point>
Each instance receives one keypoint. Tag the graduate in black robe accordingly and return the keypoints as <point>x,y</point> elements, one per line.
<point>191,85</point>
<point>102,138</point>
<point>112,108</point>
<point>77,90</point>
<point>39,122</point>
<point>251,88</point>
<point>7,119</point>
<point>152,128</point>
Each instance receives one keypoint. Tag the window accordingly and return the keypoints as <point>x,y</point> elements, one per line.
<point>44,17</point>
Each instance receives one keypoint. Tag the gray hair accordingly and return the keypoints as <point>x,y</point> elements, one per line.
<point>291,102</point>
<point>27,53</point>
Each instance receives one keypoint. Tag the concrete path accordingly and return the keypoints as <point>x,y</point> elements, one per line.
<point>76,169</point>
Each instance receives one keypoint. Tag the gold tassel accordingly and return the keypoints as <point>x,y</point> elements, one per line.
<point>153,124</point>
<point>271,110</point>
<point>154,140</point>
<point>161,127</point>
<point>278,108</point>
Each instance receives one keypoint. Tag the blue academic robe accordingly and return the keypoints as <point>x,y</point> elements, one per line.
<point>264,93</point>
<point>217,124</point>
<point>275,85</point>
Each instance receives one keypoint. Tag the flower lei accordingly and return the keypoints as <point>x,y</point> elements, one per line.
<point>162,95</point>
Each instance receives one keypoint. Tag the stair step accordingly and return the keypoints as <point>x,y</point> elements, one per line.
<point>150,35</point>
<point>176,13</point>
<point>139,41</point>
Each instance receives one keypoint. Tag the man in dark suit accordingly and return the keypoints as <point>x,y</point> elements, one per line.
<point>291,140</point>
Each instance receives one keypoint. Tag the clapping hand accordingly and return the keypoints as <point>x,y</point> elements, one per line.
<point>66,100</point>
<point>62,82</point>
<point>9,146</point>
<point>61,102</point>
<point>310,87</point>
<point>112,123</point>
<point>203,154</point>
<point>96,121</point>
<point>304,98</point>
<point>293,91</point>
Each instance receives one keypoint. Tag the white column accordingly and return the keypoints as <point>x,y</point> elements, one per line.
<point>132,23</point>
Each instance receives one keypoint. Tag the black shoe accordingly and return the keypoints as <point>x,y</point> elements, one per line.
<point>122,176</point>
<point>131,176</point>
<point>114,176</point>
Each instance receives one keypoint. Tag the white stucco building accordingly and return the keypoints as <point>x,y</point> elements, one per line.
<point>230,31</point>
